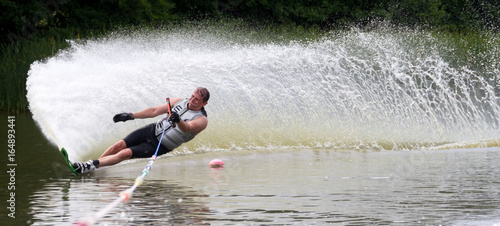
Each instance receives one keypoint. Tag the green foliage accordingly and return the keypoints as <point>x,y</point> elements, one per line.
<point>298,11</point>
<point>91,14</point>
<point>422,12</point>
<point>19,20</point>
<point>466,15</point>
<point>15,63</point>
<point>23,20</point>
<point>454,15</point>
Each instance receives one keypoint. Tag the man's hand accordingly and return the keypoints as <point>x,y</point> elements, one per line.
<point>175,117</point>
<point>122,117</point>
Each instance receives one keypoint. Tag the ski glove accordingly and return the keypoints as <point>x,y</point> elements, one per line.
<point>175,117</point>
<point>122,117</point>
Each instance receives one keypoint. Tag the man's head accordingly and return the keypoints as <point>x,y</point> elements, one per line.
<point>199,98</point>
<point>202,91</point>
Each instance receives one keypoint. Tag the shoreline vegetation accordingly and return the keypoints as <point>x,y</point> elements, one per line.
<point>36,30</point>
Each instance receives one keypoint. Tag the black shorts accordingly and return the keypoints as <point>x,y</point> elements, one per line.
<point>143,142</point>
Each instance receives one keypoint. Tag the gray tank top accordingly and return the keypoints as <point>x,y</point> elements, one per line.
<point>173,136</point>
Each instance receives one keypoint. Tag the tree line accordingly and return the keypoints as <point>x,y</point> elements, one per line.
<point>22,19</point>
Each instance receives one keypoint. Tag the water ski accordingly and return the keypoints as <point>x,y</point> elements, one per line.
<point>66,159</point>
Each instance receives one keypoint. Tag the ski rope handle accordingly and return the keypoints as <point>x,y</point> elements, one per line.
<point>170,113</point>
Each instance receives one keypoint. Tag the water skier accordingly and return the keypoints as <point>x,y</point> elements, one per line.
<point>189,116</point>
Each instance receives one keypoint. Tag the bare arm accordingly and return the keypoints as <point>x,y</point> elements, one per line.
<point>195,126</point>
<point>155,111</point>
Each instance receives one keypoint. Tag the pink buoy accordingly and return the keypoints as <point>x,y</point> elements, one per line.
<point>216,163</point>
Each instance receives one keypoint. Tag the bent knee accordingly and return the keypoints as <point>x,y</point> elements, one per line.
<point>125,154</point>
<point>120,145</point>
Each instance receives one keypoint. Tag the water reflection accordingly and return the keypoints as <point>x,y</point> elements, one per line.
<point>458,187</point>
<point>157,202</point>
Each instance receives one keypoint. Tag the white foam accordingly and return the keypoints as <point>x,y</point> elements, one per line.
<point>346,90</point>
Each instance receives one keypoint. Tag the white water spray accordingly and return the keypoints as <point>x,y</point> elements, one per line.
<point>350,90</point>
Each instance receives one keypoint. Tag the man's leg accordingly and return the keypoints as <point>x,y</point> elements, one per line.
<point>113,155</point>
<point>115,148</point>
<point>120,151</point>
<point>111,159</point>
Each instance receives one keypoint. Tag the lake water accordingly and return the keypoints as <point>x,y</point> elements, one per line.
<point>281,186</point>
